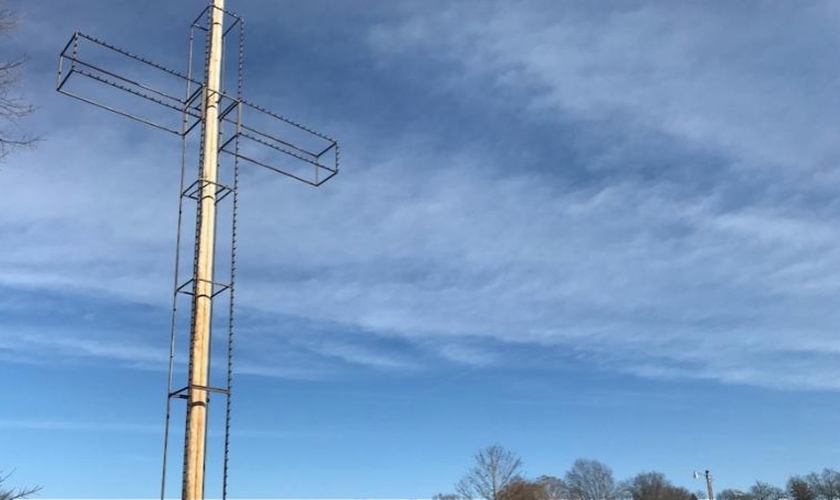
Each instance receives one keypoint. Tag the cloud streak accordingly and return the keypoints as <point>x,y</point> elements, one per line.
<point>719,265</point>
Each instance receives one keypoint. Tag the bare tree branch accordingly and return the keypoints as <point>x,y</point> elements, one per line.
<point>15,494</point>
<point>13,107</point>
<point>590,480</point>
<point>495,468</point>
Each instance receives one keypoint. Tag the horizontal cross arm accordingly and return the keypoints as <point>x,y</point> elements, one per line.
<point>117,80</point>
<point>268,139</point>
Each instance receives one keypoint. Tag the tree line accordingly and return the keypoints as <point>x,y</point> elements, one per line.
<point>497,474</point>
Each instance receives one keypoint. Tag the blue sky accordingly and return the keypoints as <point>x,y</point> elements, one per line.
<point>577,229</point>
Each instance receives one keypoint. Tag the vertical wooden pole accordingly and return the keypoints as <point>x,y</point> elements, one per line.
<point>196,427</point>
<point>709,487</point>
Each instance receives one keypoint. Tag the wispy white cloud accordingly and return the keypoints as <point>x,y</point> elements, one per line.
<point>359,355</point>
<point>58,425</point>
<point>61,342</point>
<point>447,248</point>
<point>65,425</point>
<point>740,78</point>
<point>470,355</point>
<point>630,269</point>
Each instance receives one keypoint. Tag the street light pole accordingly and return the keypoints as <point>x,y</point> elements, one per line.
<point>710,490</point>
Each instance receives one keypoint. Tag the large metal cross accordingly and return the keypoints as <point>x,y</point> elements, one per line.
<point>117,80</point>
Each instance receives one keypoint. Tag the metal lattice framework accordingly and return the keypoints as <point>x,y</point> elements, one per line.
<point>135,87</point>
<point>313,158</point>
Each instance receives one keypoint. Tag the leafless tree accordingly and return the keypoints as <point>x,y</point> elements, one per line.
<point>590,480</point>
<point>554,487</point>
<point>647,486</point>
<point>522,489</point>
<point>654,486</point>
<point>495,468</point>
<point>826,485</point>
<point>12,493</point>
<point>830,484</point>
<point>800,488</point>
<point>12,106</point>
<point>732,494</point>
<point>765,491</point>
